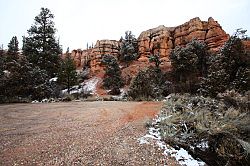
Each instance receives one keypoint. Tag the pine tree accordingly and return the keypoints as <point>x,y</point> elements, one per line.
<point>228,70</point>
<point>112,78</point>
<point>13,49</point>
<point>148,84</point>
<point>2,78</point>
<point>184,62</point>
<point>128,47</point>
<point>67,73</point>
<point>41,46</point>
<point>23,79</point>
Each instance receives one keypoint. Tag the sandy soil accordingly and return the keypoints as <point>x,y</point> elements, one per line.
<point>78,133</point>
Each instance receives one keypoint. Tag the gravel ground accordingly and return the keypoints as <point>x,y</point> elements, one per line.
<point>78,133</point>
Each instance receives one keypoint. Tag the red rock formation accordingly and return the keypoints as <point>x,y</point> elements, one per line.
<point>101,48</point>
<point>162,39</point>
<point>80,57</point>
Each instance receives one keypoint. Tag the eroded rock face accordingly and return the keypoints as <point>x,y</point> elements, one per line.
<point>157,40</point>
<point>101,48</point>
<point>93,56</point>
<point>162,39</point>
<point>80,57</point>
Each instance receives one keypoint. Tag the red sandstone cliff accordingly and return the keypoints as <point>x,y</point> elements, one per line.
<point>161,39</point>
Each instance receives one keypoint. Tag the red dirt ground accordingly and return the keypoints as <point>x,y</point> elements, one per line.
<point>78,133</point>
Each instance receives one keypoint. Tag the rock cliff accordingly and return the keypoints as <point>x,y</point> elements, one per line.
<point>101,48</point>
<point>162,39</point>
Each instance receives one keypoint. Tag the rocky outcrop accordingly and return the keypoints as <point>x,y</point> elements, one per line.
<point>162,39</point>
<point>157,40</point>
<point>101,48</point>
<point>80,57</point>
<point>92,56</point>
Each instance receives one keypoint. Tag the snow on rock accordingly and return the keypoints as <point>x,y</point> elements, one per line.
<point>180,155</point>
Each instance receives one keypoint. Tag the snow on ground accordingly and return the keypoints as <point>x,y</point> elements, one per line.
<point>121,95</point>
<point>54,79</point>
<point>181,155</point>
<point>88,86</point>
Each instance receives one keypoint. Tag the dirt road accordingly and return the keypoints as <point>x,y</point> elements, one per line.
<point>77,133</point>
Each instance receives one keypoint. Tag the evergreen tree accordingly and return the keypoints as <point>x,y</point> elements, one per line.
<point>112,78</point>
<point>41,46</point>
<point>200,49</point>
<point>190,60</point>
<point>184,63</point>
<point>67,73</point>
<point>13,49</point>
<point>148,84</point>
<point>229,69</point>
<point>128,47</point>
<point>22,80</point>
<point>2,76</point>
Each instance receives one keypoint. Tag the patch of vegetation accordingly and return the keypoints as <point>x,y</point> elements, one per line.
<point>41,47</point>
<point>149,84</point>
<point>189,63</point>
<point>230,69</point>
<point>112,78</point>
<point>67,76</point>
<point>216,131</point>
<point>128,48</point>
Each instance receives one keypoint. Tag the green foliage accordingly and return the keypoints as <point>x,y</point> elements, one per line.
<point>148,84</point>
<point>41,46</point>
<point>128,47</point>
<point>189,61</point>
<point>22,80</point>
<point>213,130</point>
<point>112,78</point>
<point>155,58</point>
<point>228,70</point>
<point>67,73</point>
<point>12,53</point>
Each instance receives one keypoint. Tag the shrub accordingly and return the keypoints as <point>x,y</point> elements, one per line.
<point>148,84</point>
<point>210,129</point>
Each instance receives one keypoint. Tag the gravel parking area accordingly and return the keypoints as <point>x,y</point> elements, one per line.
<point>78,133</point>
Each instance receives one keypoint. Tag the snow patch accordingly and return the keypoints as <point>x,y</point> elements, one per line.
<point>89,86</point>
<point>53,79</point>
<point>121,95</point>
<point>203,145</point>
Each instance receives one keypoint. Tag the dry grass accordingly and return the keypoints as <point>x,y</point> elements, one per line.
<point>189,121</point>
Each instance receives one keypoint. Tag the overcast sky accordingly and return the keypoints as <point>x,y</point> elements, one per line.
<point>81,21</point>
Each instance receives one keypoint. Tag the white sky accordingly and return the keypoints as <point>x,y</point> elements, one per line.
<point>82,21</point>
